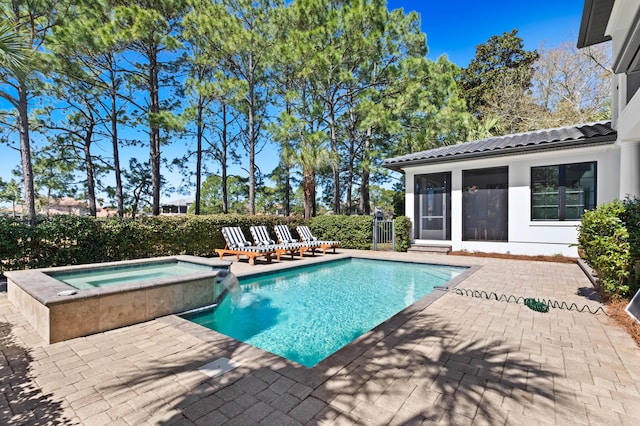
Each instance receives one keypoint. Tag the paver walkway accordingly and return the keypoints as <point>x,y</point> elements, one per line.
<point>460,360</point>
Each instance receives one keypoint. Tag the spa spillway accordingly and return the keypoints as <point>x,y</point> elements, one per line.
<point>67,302</point>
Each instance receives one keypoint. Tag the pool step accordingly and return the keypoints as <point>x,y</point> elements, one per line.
<point>430,248</point>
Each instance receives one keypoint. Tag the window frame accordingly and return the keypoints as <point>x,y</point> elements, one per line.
<point>562,188</point>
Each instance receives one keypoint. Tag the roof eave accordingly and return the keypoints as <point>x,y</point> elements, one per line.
<point>553,146</point>
<point>595,17</point>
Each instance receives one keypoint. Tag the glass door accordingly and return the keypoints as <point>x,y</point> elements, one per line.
<point>432,206</point>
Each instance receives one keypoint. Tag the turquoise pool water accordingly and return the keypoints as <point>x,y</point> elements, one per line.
<point>309,313</point>
<point>115,275</point>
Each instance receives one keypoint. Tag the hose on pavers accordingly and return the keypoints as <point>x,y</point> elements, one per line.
<point>538,305</point>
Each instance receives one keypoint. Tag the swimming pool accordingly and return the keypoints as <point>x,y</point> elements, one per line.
<point>309,313</point>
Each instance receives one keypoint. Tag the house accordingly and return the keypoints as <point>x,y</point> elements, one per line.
<point>176,207</point>
<point>525,193</point>
<point>65,205</point>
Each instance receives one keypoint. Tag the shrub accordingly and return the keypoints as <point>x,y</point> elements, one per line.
<point>355,232</point>
<point>403,233</point>
<point>67,240</point>
<point>604,240</point>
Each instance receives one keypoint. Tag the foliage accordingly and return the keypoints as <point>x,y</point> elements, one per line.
<point>69,240</point>
<point>604,241</point>
<point>211,195</point>
<point>338,86</point>
<point>498,80</point>
<point>631,218</point>
<point>355,232</point>
<point>14,49</point>
<point>571,86</point>
<point>403,233</point>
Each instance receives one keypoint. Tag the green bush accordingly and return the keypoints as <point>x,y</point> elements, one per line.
<point>354,232</point>
<point>68,240</point>
<point>631,219</point>
<point>604,241</point>
<point>403,233</point>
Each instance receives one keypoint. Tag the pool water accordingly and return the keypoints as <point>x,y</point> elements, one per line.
<point>309,313</point>
<point>109,276</point>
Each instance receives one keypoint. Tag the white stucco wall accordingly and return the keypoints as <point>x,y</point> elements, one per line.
<point>627,124</point>
<point>525,236</point>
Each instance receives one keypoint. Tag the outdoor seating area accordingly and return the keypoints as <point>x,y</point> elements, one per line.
<point>264,246</point>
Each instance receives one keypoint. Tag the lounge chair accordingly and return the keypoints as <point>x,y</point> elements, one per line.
<point>284,237</point>
<point>238,245</point>
<point>262,238</point>
<point>307,236</point>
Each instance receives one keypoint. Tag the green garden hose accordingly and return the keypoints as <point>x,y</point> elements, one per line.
<point>541,305</point>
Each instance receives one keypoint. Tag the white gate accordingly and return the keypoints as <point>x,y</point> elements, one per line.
<point>384,235</point>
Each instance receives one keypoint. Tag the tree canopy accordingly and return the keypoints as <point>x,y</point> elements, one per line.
<point>333,86</point>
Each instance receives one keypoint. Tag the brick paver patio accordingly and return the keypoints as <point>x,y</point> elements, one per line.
<point>459,360</point>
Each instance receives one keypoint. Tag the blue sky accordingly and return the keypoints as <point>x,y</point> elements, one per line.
<point>453,28</point>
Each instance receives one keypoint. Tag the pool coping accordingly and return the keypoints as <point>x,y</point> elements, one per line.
<point>350,351</point>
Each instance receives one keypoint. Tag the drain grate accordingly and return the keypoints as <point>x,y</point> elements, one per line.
<point>218,367</point>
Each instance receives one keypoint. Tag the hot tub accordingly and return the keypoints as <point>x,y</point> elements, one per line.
<point>59,311</point>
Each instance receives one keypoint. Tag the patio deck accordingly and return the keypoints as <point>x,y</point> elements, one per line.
<point>459,361</point>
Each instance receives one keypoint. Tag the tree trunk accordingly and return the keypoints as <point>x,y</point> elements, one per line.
<point>308,183</point>
<point>365,206</point>
<point>252,139</point>
<point>223,162</point>
<point>25,152</point>
<point>335,165</point>
<point>114,141</point>
<point>91,181</point>
<point>287,172</point>
<point>349,200</point>
<point>351,160</point>
<point>199,154</point>
<point>154,133</point>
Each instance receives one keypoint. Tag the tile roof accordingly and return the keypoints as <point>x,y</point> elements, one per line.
<point>559,138</point>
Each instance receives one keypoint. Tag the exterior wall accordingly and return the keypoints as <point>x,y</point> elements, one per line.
<point>525,236</point>
<point>625,100</point>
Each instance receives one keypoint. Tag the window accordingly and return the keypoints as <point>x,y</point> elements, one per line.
<point>562,192</point>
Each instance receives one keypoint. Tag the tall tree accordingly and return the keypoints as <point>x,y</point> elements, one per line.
<point>498,80</point>
<point>149,30</point>
<point>237,35</point>
<point>338,36</point>
<point>572,85</point>
<point>31,22</point>
<point>74,133</point>
<point>214,97</point>
<point>88,53</point>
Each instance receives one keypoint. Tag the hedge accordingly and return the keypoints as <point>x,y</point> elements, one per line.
<point>68,240</point>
